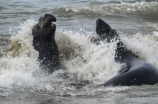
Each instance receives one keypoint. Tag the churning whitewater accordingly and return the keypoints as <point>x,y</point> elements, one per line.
<point>82,61</point>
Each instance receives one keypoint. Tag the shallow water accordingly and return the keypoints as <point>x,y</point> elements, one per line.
<point>23,82</point>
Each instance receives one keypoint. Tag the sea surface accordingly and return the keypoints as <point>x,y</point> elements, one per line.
<point>83,64</point>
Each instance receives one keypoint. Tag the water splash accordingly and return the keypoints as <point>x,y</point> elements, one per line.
<point>81,61</point>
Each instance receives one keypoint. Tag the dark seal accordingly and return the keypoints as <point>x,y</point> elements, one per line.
<point>44,42</point>
<point>135,71</point>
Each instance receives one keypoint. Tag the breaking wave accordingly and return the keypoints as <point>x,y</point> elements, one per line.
<point>95,9</point>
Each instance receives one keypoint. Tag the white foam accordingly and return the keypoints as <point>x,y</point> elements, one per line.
<point>86,60</point>
<point>122,8</point>
<point>144,46</point>
<point>82,60</point>
<point>20,59</point>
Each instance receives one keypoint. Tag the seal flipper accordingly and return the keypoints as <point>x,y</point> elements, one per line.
<point>124,69</point>
<point>95,40</point>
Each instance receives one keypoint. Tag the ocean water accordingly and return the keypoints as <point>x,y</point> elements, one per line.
<point>23,82</point>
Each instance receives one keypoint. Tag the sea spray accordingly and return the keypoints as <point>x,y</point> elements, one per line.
<point>86,60</point>
<point>79,57</point>
<point>144,46</point>
<point>21,43</point>
<point>19,59</point>
<point>82,61</point>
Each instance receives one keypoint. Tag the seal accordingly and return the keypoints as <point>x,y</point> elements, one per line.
<point>44,42</point>
<point>135,71</point>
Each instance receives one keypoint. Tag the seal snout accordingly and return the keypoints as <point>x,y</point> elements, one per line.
<point>102,24</point>
<point>47,20</point>
<point>99,20</point>
<point>102,27</point>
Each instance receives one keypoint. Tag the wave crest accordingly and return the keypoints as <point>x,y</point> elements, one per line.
<point>145,9</point>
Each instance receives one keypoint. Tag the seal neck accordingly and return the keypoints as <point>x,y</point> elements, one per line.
<point>109,36</point>
<point>122,55</point>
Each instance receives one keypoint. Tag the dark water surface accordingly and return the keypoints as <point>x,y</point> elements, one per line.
<point>21,79</point>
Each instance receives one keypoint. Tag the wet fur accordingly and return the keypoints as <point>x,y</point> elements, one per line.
<point>135,71</point>
<point>44,42</point>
